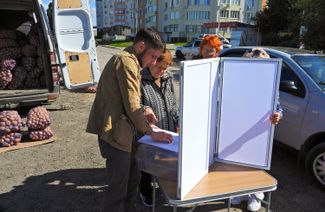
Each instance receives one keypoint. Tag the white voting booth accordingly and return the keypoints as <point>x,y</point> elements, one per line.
<point>225,106</point>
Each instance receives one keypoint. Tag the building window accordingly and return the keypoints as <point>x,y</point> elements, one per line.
<point>120,6</point>
<point>249,16</point>
<point>224,1</point>
<point>177,14</point>
<point>189,29</point>
<point>198,15</point>
<point>207,2</point>
<point>171,28</point>
<point>224,13</point>
<point>174,15</point>
<point>196,2</point>
<point>193,28</point>
<point>249,4</point>
<point>236,2</point>
<point>119,11</point>
<point>234,14</point>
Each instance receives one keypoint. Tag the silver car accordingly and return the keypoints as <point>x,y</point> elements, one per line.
<point>302,97</point>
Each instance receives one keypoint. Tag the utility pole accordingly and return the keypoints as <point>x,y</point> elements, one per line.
<point>135,16</point>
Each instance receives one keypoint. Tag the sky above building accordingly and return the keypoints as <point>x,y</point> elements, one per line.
<point>92,4</point>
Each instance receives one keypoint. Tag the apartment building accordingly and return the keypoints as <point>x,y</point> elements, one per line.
<point>178,19</point>
<point>118,15</point>
<point>189,18</point>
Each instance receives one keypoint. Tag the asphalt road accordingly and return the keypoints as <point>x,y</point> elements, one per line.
<point>69,174</point>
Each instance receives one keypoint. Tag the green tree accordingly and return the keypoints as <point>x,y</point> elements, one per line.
<point>279,23</point>
<point>314,20</point>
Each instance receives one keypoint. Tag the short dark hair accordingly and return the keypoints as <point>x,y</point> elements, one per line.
<point>150,38</point>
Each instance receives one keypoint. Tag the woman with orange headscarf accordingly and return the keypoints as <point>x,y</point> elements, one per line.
<point>210,47</point>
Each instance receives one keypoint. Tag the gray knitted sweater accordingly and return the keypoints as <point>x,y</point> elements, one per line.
<point>161,99</point>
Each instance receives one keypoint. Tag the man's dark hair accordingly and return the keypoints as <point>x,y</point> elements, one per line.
<point>150,37</point>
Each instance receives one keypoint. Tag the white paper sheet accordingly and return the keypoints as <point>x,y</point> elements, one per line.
<point>170,147</point>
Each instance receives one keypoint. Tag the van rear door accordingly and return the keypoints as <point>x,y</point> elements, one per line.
<point>76,43</point>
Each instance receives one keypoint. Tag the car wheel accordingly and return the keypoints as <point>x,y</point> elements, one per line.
<point>315,164</point>
<point>179,55</point>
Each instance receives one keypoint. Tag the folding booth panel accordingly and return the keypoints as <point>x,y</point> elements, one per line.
<point>199,83</point>
<point>248,97</point>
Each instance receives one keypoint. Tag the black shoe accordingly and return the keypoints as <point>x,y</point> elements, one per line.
<point>3,208</point>
<point>146,200</point>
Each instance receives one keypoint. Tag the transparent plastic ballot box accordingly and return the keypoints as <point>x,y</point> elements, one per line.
<point>158,162</point>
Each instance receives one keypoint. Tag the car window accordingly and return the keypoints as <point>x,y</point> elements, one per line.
<point>188,44</point>
<point>287,74</point>
<point>314,66</point>
<point>197,43</point>
<point>233,54</point>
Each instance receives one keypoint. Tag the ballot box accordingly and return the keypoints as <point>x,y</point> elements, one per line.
<point>157,161</point>
<point>225,106</point>
<point>158,158</point>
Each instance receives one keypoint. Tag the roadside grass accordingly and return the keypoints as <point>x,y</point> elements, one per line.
<point>179,43</point>
<point>120,44</point>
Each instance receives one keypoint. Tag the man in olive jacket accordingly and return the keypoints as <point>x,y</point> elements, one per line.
<point>116,114</point>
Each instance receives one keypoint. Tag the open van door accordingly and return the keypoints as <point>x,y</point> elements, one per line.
<point>76,43</point>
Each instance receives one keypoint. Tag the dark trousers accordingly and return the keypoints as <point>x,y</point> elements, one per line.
<point>123,179</point>
<point>145,185</point>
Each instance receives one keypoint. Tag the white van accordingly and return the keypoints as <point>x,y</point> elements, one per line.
<point>25,37</point>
